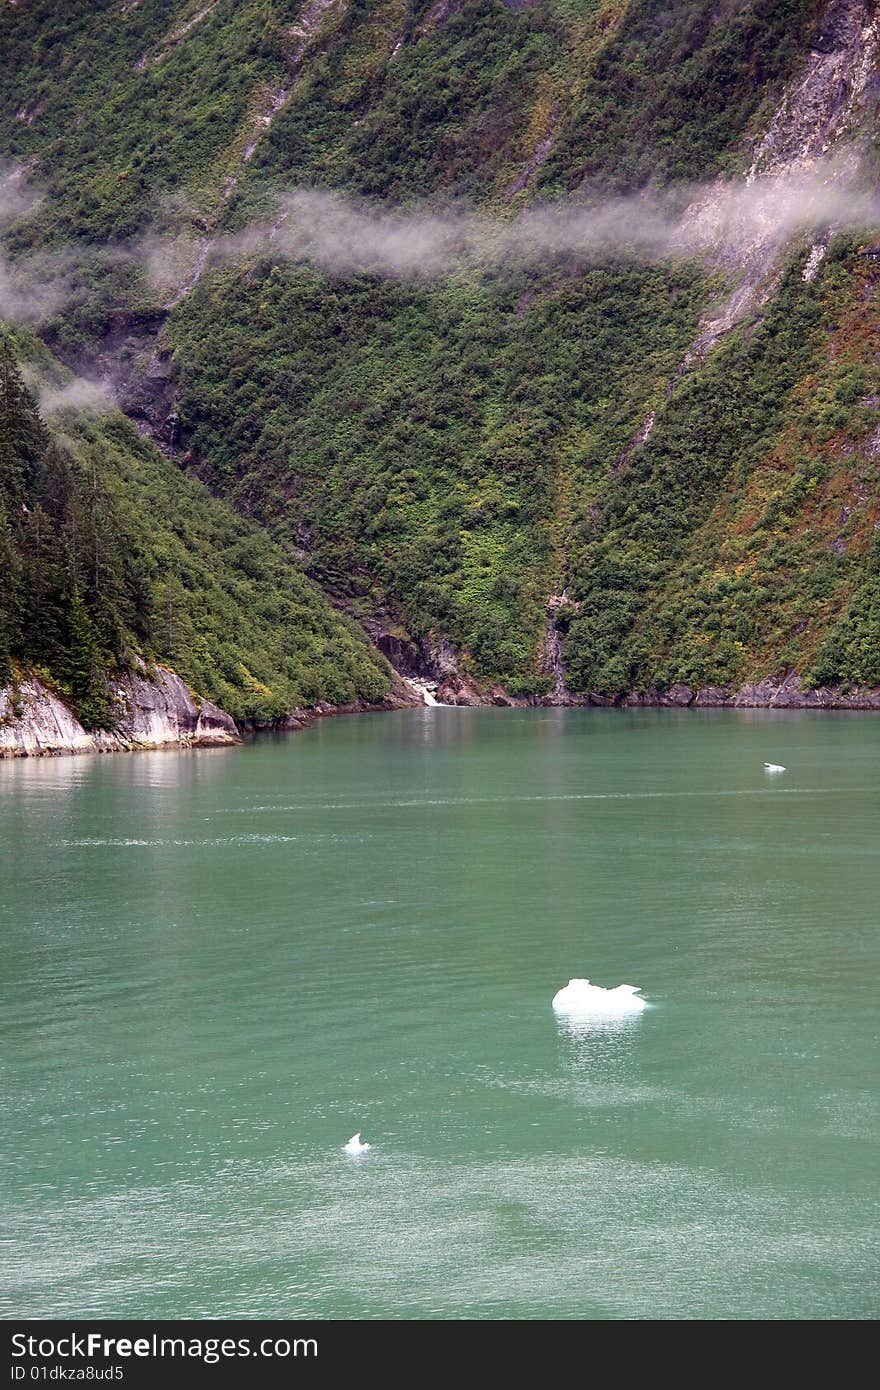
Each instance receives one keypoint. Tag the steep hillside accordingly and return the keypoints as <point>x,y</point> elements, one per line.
<point>439,435</point>
<point>639,464</point>
<point>728,544</point>
<point>109,554</point>
<point>122,105</point>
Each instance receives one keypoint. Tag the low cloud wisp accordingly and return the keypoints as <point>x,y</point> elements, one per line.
<point>717,222</point>
<point>726,224</point>
<point>80,395</point>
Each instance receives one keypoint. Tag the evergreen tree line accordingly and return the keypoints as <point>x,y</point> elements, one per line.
<point>72,597</point>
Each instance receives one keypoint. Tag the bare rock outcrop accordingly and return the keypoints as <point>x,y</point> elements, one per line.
<point>817,117</point>
<point>153,708</point>
<point>772,692</point>
<point>429,667</point>
<point>812,135</point>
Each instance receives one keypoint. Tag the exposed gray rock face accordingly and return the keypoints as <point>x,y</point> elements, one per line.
<point>772,693</point>
<point>769,693</point>
<point>817,116</point>
<point>163,710</point>
<point>430,664</point>
<point>404,654</point>
<point>152,710</point>
<point>33,721</point>
<point>453,687</point>
<point>550,660</point>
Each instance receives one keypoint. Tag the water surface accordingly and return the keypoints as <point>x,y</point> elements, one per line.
<point>218,965</point>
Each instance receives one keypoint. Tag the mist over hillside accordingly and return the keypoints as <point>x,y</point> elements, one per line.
<point>536,346</point>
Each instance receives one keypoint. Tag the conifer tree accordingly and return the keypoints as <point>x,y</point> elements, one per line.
<point>83,667</point>
<point>10,596</point>
<point>23,439</point>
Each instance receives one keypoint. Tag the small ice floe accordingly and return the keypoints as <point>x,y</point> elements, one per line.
<point>773,767</point>
<point>580,999</point>
<point>354,1145</point>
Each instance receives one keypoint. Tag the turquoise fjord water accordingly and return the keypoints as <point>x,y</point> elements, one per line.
<point>218,965</point>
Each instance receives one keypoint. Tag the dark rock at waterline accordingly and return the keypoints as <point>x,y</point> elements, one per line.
<point>770,693</point>
<point>404,654</point>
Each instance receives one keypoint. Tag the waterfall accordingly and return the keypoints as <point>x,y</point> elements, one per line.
<point>425,690</point>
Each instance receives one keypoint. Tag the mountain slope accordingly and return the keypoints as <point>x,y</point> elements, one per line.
<point>590,472</point>
<point>109,553</point>
<point>121,105</point>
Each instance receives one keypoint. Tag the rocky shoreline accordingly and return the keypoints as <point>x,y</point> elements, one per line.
<point>156,709</point>
<point>299,719</point>
<point>770,693</point>
<point>431,665</point>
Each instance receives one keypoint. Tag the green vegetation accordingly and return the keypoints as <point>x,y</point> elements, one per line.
<point>729,543</point>
<point>714,430</point>
<point>851,652</point>
<point>128,108</point>
<point>119,115</point>
<point>72,594</point>
<point>443,456</point>
<point>107,551</point>
<point>424,438</point>
<point>633,93</point>
<point>449,113</point>
<point>675,88</point>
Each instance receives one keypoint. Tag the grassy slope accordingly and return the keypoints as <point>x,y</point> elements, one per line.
<point>234,614</point>
<point>449,453</point>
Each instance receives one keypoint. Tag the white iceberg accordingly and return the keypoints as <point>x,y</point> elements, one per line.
<point>773,767</point>
<point>354,1145</point>
<point>580,999</point>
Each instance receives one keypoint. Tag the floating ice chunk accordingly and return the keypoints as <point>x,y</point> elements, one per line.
<point>773,767</point>
<point>580,999</point>
<point>354,1145</point>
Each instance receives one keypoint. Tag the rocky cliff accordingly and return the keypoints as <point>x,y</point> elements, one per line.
<point>153,709</point>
